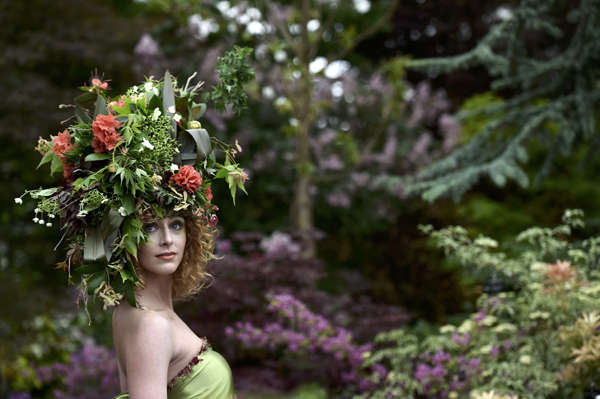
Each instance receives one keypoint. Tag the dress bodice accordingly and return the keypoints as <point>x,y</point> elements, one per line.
<point>207,376</point>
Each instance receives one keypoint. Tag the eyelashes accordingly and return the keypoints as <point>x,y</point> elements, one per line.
<point>152,227</point>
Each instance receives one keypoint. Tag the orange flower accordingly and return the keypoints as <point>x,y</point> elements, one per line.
<point>187,178</point>
<point>62,144</point>
<point>105,134</point>
<point>100,84</point>
<point>67,170</point>
<point>119,103</point>
<point>559,273</point>
<point>208,194</point>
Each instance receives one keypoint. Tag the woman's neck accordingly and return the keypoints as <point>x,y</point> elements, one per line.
<point>158,292</point>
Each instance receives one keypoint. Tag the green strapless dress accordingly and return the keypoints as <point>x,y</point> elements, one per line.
<point>207,376</point>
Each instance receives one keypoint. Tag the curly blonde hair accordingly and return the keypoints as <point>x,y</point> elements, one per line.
<point>192,274</point>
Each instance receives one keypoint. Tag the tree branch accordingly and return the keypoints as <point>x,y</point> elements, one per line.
<point>365,152</point>
<point>367,32</point>
<point>324,26</point>
<point>281,27</point>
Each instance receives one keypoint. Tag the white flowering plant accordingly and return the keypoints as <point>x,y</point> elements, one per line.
<point>541,339</point>
<point>133,158</point>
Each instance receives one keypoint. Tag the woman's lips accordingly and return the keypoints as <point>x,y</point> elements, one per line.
<point>166,255</point>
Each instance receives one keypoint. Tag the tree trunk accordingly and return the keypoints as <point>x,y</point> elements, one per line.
<point>302,206</point>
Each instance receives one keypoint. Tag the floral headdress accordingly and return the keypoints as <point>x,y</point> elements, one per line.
<point>139,157</point>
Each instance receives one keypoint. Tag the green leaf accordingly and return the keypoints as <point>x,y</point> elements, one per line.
<point>97,157</point>
<point>131,269</point>
<point>47,158</point>
<point>100,106</point>
<point>233,188</point>
<point>56,165</point>
<point>118,189</point>
<point>44,193</point>
<point>130,293</point>
<point>154,103</point>
<point>108,250</point>
<point>130,246</point>
<point>81,115</point>
<point>89,268</point>
<point>222,173</point>
<point>129,203</point>
<point>94,245</point>
<point>95,283</point>
<point>189,140</point>
<point>169,101</point>
<point>110,222</point>
<point>198,110</point>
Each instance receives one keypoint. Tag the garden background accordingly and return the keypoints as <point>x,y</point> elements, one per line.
<point>366,119</point>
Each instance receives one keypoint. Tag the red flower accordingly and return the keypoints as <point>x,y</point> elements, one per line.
<point>187,178</point>
<point>119,103</point>
<point>208,194</point>
<point>62,144</point>
<point>105,135</point>
<point>67,170</point>
<point>100,84</point>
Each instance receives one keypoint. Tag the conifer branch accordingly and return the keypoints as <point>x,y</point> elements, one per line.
<point>367,32</point>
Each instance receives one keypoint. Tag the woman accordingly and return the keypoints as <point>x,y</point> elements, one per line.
<point>136,207</point>
<point>158,355</point>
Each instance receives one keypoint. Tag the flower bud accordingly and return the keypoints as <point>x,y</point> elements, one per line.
<point>112,168</point>
<point>195,125</point>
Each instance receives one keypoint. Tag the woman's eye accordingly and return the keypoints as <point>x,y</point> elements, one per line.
<point>177,225</point>
<point>149,228</point>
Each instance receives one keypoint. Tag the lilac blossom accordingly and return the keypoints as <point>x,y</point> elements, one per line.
<point>461,340</point>
<point>91,372</point>
<point>300,332</point>
<point>280,245</point>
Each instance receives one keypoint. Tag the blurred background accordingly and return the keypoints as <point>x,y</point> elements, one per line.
<point>340,120</point>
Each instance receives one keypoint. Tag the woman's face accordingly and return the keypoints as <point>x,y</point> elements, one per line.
<point>163,254</point>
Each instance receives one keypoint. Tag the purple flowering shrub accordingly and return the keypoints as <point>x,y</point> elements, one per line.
<point>256,268</point>
<point>90,373</point>
<point>304,339</point>
<point>526,342</point>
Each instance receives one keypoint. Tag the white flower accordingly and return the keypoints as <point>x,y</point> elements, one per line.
<point>36,210</point>
<point>447,328</point>
<point>135,89</point>
<point>489,320</point>
<point>35,220</point>
<point>122,211</point>
<point>177,117</point>
<point>155,90</point>
<point>82,214</point>
<point>41,221</point>
<point>18,201</point>
<point>525,359</point>
<point>147,144</point>
<point>174,167</point>
<point>51,216</point>
<point>148,86</point>
<point>48,224</point>
<point>172,109</point>
<point>466,326</point>
<point>156,113</point>
<point>280,56</point>
<point>104,200</point>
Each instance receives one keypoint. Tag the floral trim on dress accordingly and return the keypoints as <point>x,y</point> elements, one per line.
<point>188,369</point>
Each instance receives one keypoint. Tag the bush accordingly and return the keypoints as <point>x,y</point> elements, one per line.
<point>536,341</point>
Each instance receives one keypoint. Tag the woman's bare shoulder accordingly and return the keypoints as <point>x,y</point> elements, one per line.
<point>133,325</point>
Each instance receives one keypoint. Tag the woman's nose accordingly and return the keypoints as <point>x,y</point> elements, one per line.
<point>166,238</point>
